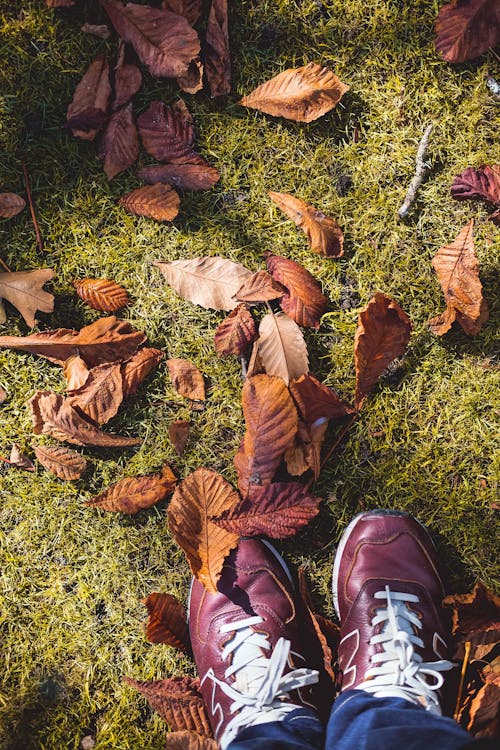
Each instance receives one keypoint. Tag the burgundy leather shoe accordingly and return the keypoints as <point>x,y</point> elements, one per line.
<point>387,592</point>
<point>246,643</point>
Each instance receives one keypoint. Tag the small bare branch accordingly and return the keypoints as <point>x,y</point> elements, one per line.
<point>421,170</point>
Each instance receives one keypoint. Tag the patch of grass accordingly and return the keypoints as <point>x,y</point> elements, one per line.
<point>72,577</point>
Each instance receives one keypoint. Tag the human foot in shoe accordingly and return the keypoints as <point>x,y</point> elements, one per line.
<point>387,592</point>
<point>246,642</point>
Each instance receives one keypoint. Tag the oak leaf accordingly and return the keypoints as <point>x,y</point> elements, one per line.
<point>281,347</point>
<point>63,462</point>
<point>201,496</point>
<point>167,621</point>
<point>190,9</point>
<point>128,79</point>
<point>24,290</point>
<point>481,184</point>
<point>475,618</point>
<point>102,294</point>
<point>305,451</point>
<point>88,110</point>
<point>18,459</point>
<point>381,336</point>
<point>259,287</point>
<point>466,29</point>
<point>101,394</point>
<point>301,94</point>
<point>11,204</point>
<point>138,367</point>
<point>168,133</point>
<point>189,741</point>
<point>235,333</point>
<point>186,379</point>
<point>304,301</point>
<point>185,176</point>
<point>457,269</point>
<point>324,234</point>
<point>96,29</point>
<point>271,423</point>
<point>159,202</point>
<point>217,55</point>
<point>119,147</point>
<point>210,282</point>
<point>76,372</point>
<point>178,432</point>
<point>314,400</point>
<point>163,41</point>
<point>132,494</point>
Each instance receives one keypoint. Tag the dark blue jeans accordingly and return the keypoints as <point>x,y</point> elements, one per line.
<point>359,721</point>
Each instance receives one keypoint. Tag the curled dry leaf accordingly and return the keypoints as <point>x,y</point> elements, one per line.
<point>271,423</point>
<point>324,234</point>
<point>301,94</point>
<point>178,701</point>
<point>128,79</point>
<point>314,400</point>
<point>178,433</point>
<point>138,367</point>
<point>259,287</point>
<point>76,372</point>
<point>327,633</point>
<point>163,41</point>
<point>202,496</point>
<point>132,494</point>
<point>54,416</point>
<point>305,452</point>
<point>159,202</point>
<point>382,335</point>
<point>24,290</point>
<point>184,176</point>
<point>168,133</point>
<point>481,184</point>
<point>466,29</point>
<point>304,301</point>
<point>235,333</point>
<point>192,81</point>
<point>167,621</point>
<point>11,204</point>
<point>457,269</point>
<point>189,741</point>
<point>209,282</point>
<point>475,618</point>
<point>63,462</point>
<point>186,379</point>
<point>88,110</point>
<point>18,459</point>
<point>189,9</point>
<point>217,55</point>
<point>484,712</point>
<point>101,395</point>
<point>281,347</point>
<point>119,148</point>
<point>96,29</point>
<point>102,294</point>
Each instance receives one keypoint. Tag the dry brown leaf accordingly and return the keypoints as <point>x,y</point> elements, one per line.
<point>481,184</point>
<point>484,713</point>
<point>88,110</point>
<point>178,433</point>
<point>282,348</point>
<point>167,621</point>
<point>164,41</point>
<point>76,372</point>
<point>101,395</point>
<point>3,395</point>
<point>186,379</point>
<point>168,133</point>
<point>24,290</point>
<point>96,29</point>
<point>190,9</point>
<point>466,29</point>
<point>304,301</point>
<point>217,54</point>
<point>259,287</point>
<point>132,494</point>
<point>271,423</point>
<point>52,415</point>
<point>119,147</point>
<point>305,452</point>
<point>324,234</point>
<point>235,333</point>
<point>382,335</point>
<point>59,3</point>
<point>192,81</point>
<point>457,269</point>
<point>128,79</point>
<point>255,366</point>
<point>18,459</point>
<point>102,294</point>
<point>138,367</point>
<point>11,204</point>
<point>201,496</point>
<point>184,176</point>
<point>159,202</point>
<point>301,94</point>
<point>327,633</point>
<point>63,462</point>
<point>209,282</point>
<point>189,741</point>
<point>475,618</point>
<point>314,400</point>
<point>178,701</point>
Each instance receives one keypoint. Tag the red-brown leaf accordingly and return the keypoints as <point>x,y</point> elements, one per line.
<point>466,29</point>
<point>190,9</point>
<point>178,433</point>
<point>235,333</point>
<point>88,109</point>
<point>167,621</point>
<point>314,400</point>
<point>63,462</point>
<point>132,494</point>
<point>217,55</point>
<point>185,176</point>
<point>102,294</point>
<point>259,287</point>
<point>101,395</point>
<point>192,81</point>
<point>186,379</point>
<point>304,301</point>
<point>11,204</point>
<point>189,741</point>
<point>159,202</point>
<point>484,713</point>
<point>138,367</point>
<point>168,133</point>
<point>482,184</point>
<point>324,234</point>
<point>128,79</point>
<point>475,618</point>
<point>119,148</point>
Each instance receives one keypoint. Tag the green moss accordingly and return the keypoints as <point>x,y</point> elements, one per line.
<point>72,577</point>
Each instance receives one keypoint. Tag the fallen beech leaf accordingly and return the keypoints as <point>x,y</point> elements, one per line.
<point>102,294</point>
<point>277,511</point>
<point>101,395</point>
<point>209,282</point>
<point>164,41</point>
<point>259,287</point>
<point>201,496</point>
<point>11,204</point>
<point>96,29</point>
<point>178,701</point>
<point>475,618</point>
<point>305,452</point>
<point>327,633</point>
<point>217,55</point>
<point>138,367</point>
<point>235,333</point>
<point>168,133</point>
<point>52,415</point>
<point>88,109</point>
<point>3,396</point>
<point>132,494</point>
<point>76,372</point>
<point>128,79</point>
<point>192,81</point>
<point>24,290</point>
<point>314,400</point>
<point>324,234</point>
<point>382,335</point>
<point>167,621</point>
<point>301,94</point>
<point>189,741</point>
<point>159,202</point>
<point>178,433</point>
<point>481,184</point>
<point>119,148</point>
<point>186,379</point>
<point>304,301</point>
<point>457,269</point>
<point>189,9</point>
<point>63,462</point>
<point>184,176</point>
<point>281,345</point>
<point>18,459</point>
<point>255,366</point>
<point>271,423</point>
<point>467,28</point>
<point>105,340</point>
<point>484,713</point>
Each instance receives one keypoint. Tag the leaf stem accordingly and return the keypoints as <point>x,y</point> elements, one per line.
<point>465,664</point>
<point>32,207</point>
<point>4,265</point>
<point>335,445</point>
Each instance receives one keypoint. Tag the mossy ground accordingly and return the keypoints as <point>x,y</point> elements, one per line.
<point>72,577</point>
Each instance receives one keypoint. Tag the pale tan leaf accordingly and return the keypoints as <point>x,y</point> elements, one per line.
<point>159,202</point>
<point>324,234</point>
<point>63,462</point>
<point>102,294</point>
<point>259,287</point>
<point>76,372</point>
<point>132,494</point>
<point>101,394</point>
<point>138,367</point>
<point>186,379</point>
<point>178,433</point>
<point>11,204</point>
<point>24,290</point>
<point>282,348</point>
<point>18,459</point>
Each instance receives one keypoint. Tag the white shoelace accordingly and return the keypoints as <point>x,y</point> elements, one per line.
<point>259,690</point>
<point>398,671</point>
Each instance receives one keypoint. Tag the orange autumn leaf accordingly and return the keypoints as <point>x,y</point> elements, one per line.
<point>101,394</point>
<point>186,379</point>
<point>76,372</point>
<point>305,451</point>
<point>63,462</point>
<point>315,400</point>
<point>167,622</point>
<point>132,494</point>
<point>304,301</point>
<point>178,433</point>
<point>159,202</point>
<point>102,294</point>
<point>484,712</point>
<point>138,367</point>
<point>475,618</point>
<point>235,333</point>
<point>324,234</point>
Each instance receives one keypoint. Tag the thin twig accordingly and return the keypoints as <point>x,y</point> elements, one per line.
<point>335,445</point>
<point>244,366</point>
<point>4,265</point>
<point>421,170</point>
<point>465,664</point>
<point>32,207</point>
